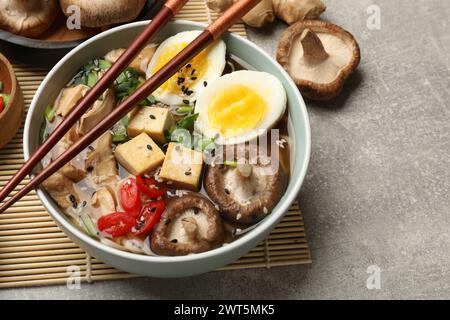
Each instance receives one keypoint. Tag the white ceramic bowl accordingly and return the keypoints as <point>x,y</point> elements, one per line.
<point>184,265</point>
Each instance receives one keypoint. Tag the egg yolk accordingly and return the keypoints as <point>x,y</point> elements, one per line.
<point>236,109</point>
<point>187,76</point>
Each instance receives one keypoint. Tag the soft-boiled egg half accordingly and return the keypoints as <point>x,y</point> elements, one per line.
<point>240,106</point>
<point>189,81</point>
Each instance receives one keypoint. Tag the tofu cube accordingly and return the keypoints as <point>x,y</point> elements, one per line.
<point>182,166</point>
<point>139,155</point>
<point>151,120</point>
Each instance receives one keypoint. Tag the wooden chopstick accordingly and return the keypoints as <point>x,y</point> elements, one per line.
<point>211,33</point>
<point>168,10</point>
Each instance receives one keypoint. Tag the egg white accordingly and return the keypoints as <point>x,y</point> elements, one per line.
<point>216,62</point>
<point>268,87</point>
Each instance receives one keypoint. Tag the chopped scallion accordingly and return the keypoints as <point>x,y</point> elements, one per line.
<point>185,109</point>
<point>49,113</point>
<point>89,225</point>
<point>104,64</point>
<point>92,78</point>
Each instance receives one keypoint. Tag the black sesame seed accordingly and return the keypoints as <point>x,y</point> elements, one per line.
<point>89,169</point>
<point>152,117</point>
<point>174,240</point>
<point>189,92</point>
<point>194,78</point>
<point>183,88</point>
<point>227,191</point>
<point>205,83</point>
<point>188,66</point>
<point>75,205</point>
<point>84,204</point>
<point>153,209</point>
<point>188,173</point>
<point>196,210</point>
<point>192,72</point>
<point>167,221</point>
<point>149,147</point>
<point>186,101</point>
<point>91,148</point>
<point>72,198</point>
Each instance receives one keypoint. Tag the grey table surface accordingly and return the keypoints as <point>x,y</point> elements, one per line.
<point>378,188</point>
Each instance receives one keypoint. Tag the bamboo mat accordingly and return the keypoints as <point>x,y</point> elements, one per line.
<point>34,251</point>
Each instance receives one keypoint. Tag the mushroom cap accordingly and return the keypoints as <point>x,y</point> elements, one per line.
<point>189,224</point>
<point>28,18</point>
<point>101,13</point>
<point>319,56</point>
<point>244,194</point>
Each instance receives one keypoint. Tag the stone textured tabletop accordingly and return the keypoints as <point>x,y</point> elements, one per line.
<point>377,194</point>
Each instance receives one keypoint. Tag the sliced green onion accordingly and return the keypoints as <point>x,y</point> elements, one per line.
<point>185,109</point>
<point>120,138</point>
<point>188,121</point>
<point>120,135</point>
<point>42,130</point>
<point>151,99</point>
<point>104,64</point>
<point>49,113</point>
<point>1,86</point>
<point>125,120</point>
<point>80,80</point>
<point>89,226</point>
<point>92,78</point>
<point>230,163</point>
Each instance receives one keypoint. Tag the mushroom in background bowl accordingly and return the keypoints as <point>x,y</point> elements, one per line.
<point>43,38</point>
<point>151,255</point>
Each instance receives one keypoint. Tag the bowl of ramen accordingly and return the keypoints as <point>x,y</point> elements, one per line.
<point>195,175</point>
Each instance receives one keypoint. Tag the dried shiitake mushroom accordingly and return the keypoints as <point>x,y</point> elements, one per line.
<point>319,56</point>
<point>259,16</point>
<point>292,11</point>
<point>102,13</point>
<point>28,18</point>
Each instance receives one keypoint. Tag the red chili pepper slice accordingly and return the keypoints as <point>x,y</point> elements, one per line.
<point>1,104</point>
<point>116,224</point>
<point>150,215</point>
<point>130,197</point>
<point>151,187</point>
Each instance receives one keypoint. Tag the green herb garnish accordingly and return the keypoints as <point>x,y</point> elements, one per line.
<point>49,113</point>
<point>88,225</point>
<point>42,132</point>
<point>188,121</point>
<point>92,78</point>
<point>185,109</point>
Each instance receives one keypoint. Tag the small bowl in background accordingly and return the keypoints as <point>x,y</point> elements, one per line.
<point>11,116</point>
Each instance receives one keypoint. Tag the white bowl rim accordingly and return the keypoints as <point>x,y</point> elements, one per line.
<point>265,224</point>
